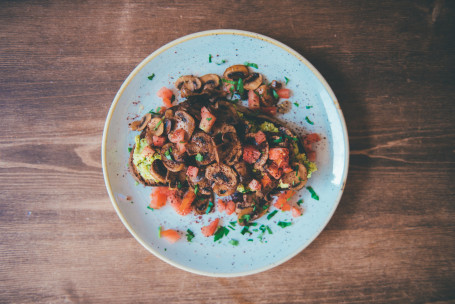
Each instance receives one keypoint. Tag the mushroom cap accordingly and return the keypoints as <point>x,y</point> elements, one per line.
<point>188,84</point>
<point>155,127</point>
<point>140,125</point>
<point>253,81</point>
<point>265,96</point>
<point>210,81</point>
<point>167,158</point>
<point>297,179</point>
<point>236,71</point>
<point>201,203</point>
<point>202,143</point>
<point>263,148</point>
<point>223,177</point>
<point>158,171</point>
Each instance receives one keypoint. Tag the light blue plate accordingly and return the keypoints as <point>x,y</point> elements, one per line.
<point>190,55</point>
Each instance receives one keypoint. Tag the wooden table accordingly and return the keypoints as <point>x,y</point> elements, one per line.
<point>391,65</point>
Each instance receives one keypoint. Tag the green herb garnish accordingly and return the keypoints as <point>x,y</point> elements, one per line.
<point>209,208</point>
<point>199,157</point>
<point>300,202</point>
<point>148,207</point>
<point>233,223</point>
<point>228,81</point>
<point>245,230</point>
<point>158,124</point>
<point>210,58</point>
<point>309,107</point>
<point>232,228</point>
<point>234,242</point>
<point>209,118</point>
<point>249,64</point>
<point>222,231</point>
<point>240,86</point>
<point>159,231</point>
<point>179,185</point>
<point>245,218</point>
<point>309,121</point>
<point>286,79</point>
<point>272,214</point>
<point>189,235</point>
<point>250,240</point>
<point>151,76</point>
<point>296,104</point>
<point>220,63</point>
<point>168,153</point>
<point>290,137</point>
<point>284,224</point>
<point>130,149</point>
<point>269,230</point>
<point>275,94</point>
<point>196,189</point>
<point>313,193</point>
<point>136,183</point>
<point>278,140</point>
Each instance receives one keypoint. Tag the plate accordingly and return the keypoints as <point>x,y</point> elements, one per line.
<point>254,253</point>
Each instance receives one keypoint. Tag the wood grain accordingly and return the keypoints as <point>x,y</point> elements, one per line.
<point>391,65</point>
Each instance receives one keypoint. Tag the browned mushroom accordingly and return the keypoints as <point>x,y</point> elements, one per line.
<point>204,204</point>
<point>155,127</point>
<point>168,160</point>
<point>235,72</point>
<point>201,182</point>
<point>250,208</point>
<point>183,121</point>
<point>224,178</point>
<point>244,172</point>
<point>158,171</point>
<point>262,147</point>
<point>140,125</point>
<point>296,179</point>
<point>210,82</point>
<point>202,144</point>
<point>176,180</point>
<point>266,96</point>
<point>188,85</point>
<point>253,81</point>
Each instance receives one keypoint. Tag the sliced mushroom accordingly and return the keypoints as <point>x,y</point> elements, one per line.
<point>210,81</point>
<point>168,160</point>
<point>224,178</point>
<point>201,143</point>
<point>176,180</point>
<point>253,81</point>
<point>275,85</point>
<point>183,121</point>
<point>155,126</point>
<point>266,96</point>
<point>203,184</point>
<point>158,171</point>
<point>227,113</point>
<point>250,208</point>
<point>236,71</point>
<point>140,125</point>
<point>296,179</point>
<point>243,171</point>
<point>202,204</point>
<point>188,85</point>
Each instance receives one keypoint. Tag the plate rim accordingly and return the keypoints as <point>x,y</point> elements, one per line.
<point>171,44</point>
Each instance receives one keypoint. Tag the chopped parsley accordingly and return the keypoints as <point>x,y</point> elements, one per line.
<point>232,228</point>
<point>250,64</point>
<point>234,242</point>
<point>196,189</point>
<point>272,214</point>
<point>250,240</point>
<point>233,223</point>
<point>130,149</point>
<point>290,137</point>
<point>199,157</point>
<point>220,63</point>
<point>245,230</point>
<point>209,118</point>
<point>309,107</point>
<point>158,124</point>
<point>278,140</point>
<point>151,76</point>
<point>269,230</point>
<point>136,183</point>
<point>179,185</point>
<point>168,153</point>
<point>240,86</point>
<point>284,224</point>
<point>296,104</point>
<point>286,79</point>
<point>245,218</point>
<point>148,207</point>
<point>300,202</point>
<point>228,81</point>
<point>313,193</point>
<point>222,231</point>
<point>210,58</point>
<point>309,121</point>
<point>189,235</point>
<point>209,208</point>
<point>159,231</point>
<point>275,94</point>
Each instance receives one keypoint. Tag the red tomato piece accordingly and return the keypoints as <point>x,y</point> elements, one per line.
<point>221,205</point>
<point>147,151</point>
<point>260,137</point>
<point>185,206</point>
<point>170,235</point>
<point>286,168</point>
<point>296,212</point>
<point>192,171</point>
<point>181,147</point>
<point>210,228</point>
<point>274,170</point>
<point>266,181</point>
<point>254,185</point>
<point>177,136</point>
<point>284,93</point>
<point>251,154</point>
<point>280,156</point>
<point>167,102</point>
<point>269,110</point>
<point>230,207</point>
<point>207,120</point>
<point>158,141</point>
<point>253,100</point>
<point>158,197</point>
<point>165,93</point>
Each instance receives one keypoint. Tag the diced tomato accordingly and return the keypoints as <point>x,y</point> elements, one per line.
<point>170,235</point>
<point>192,172</point>
<point>308,140</point>
<point>253,100</point>
<point>312,138</point>
<point>147,151</point>
<point>158,197</point>
<point>280,156</point>
<point>251,154</point>
<point>207,120</point>
<point>254,185</point>
<point>177,136</point>
<point>158,141</point>
<point>185,206</point>
<point>181,147</point>
<point>286,168</point>
<point>230,207</point>
<point>269,110</point>
<point>296,212</point>
<point>260,137</point>
<point>282,205</point>
<point>162,110</point>
<point>282,201</point>
<point>284,93</point>
<point>167,102</point>
<point>165,93</point>
<point>266,181</point>
<point>210,228</point>
<point>274,170</point>
<point>221,205</point>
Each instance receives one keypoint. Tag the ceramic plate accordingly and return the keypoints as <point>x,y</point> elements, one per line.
<point>253,254</point>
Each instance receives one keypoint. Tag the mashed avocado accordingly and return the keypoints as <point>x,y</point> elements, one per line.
<point>268,127</point>
<point>302,158</point>
<point>142,162</point>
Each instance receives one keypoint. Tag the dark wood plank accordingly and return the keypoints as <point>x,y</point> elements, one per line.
<point>391,65</point>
